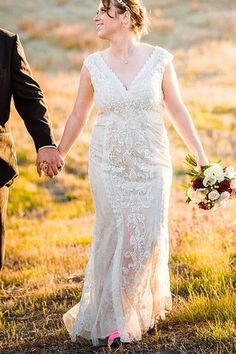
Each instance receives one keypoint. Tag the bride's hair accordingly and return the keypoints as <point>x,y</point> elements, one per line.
<point>138,13</point>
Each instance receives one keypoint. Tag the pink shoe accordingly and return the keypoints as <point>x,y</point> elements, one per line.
<point>114,338</point>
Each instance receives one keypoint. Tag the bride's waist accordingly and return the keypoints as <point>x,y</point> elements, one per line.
<point>152,136</point>
<point>146,117</point>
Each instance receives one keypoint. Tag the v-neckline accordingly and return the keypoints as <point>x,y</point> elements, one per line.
<point>138,73</point>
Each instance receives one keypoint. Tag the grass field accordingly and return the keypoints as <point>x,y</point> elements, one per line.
<point>50,222</point>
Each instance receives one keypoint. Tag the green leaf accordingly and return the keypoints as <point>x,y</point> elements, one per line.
<point>188,200</point>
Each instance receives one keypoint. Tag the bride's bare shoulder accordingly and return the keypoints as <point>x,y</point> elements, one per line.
<point>89,59</point>
<point>93,54</point>
<point>150,47</point>
<point>146,47</point>
<point>103,51</point>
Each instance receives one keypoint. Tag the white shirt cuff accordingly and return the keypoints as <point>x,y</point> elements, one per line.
<point>47,146</point>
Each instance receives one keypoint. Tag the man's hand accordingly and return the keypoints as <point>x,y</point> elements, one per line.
<point>51,157</point>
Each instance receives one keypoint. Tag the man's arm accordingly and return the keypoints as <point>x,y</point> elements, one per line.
<point>30,104</point>
<point>29,100</point>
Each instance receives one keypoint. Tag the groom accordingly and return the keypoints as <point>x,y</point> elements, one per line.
<point>16,81</point>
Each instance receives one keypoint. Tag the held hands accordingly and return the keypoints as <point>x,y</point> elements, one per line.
<point>49,161</point>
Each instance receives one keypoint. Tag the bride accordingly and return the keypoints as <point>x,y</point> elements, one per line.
<point>126,286</point>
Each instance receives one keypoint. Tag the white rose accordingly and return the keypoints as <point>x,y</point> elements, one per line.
<point>201,194</point>
<point>215,170</point>
<point>213,195</point>
<point>233,183</point>
<point>209,180</point>
<point>218,205</point>
<point>197,195</point>
<point>224,196</point>
<point>230,172</point>
<point>191,193</point>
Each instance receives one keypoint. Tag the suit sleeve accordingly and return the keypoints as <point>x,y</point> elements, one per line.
<point>29,100</point>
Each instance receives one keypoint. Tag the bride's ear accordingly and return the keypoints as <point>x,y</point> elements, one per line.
<point>126,19</point>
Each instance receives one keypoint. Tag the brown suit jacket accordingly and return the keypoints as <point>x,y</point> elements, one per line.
<point>16,81</point>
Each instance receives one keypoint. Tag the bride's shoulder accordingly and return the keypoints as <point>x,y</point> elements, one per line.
<point>90,58</point>
<point>164,51</point>
<point>146,47</point>
<point>163,55</point>
<point>150,48</point>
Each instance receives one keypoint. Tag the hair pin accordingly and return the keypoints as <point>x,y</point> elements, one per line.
<point>122,3</point>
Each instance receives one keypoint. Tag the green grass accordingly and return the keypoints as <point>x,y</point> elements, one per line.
<point>201,308</point>
<point>220,333</point>
<point>224,109</point>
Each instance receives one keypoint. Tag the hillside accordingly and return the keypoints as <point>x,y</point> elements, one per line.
<point>51,221</point>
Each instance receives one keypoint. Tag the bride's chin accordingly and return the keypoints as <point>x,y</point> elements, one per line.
<point>102,36</point>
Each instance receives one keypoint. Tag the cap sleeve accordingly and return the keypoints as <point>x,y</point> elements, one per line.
<point>88,63</point>
<point>168,58</point>
<point>165,58</point>
<point>92,66</point>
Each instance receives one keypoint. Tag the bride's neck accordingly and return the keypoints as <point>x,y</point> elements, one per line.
<point>123,47</point>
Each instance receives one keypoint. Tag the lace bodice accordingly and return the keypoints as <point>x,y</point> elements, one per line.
<point>144,93</point>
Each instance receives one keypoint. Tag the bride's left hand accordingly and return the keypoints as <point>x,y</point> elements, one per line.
<point>201,161</point>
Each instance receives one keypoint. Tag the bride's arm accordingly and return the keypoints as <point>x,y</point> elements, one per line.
<point>78,117</point>
<point>180,116</point>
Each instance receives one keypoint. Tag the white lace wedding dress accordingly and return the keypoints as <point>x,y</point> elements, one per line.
<point>130,172</point>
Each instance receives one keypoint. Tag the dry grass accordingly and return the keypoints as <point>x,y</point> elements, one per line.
<point>159,23</point>
<point>44,276</point>
<point>37,29</point>
<point>67,36</point>
<point>51,221</point>
<point>75,37</point>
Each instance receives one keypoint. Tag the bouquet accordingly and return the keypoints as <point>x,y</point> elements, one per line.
<point>211,185</point>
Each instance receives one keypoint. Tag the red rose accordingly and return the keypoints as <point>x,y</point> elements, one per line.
<point>224,186</point>
<point>201,205</point>
<point>197,183</point>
